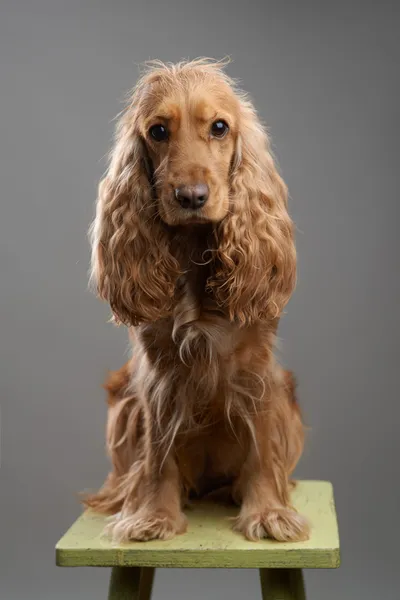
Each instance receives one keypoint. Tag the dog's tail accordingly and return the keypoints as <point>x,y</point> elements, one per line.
<point>291,388</point>
<point>117,383</point>
<point>298,438</point>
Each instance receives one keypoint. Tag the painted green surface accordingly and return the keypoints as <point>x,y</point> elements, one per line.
<point>210,541</point>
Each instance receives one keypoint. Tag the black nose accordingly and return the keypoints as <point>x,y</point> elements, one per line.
<point>192,196</point>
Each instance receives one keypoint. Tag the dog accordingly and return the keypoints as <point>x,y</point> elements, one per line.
<point>193,249</point>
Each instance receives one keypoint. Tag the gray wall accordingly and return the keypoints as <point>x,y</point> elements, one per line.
<point>325,78</point>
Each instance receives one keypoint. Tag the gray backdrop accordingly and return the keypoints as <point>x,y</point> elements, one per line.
<point>324,76</point>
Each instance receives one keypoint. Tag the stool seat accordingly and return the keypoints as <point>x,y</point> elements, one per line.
<point>210,541</point>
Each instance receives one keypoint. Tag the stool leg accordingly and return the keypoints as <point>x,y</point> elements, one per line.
<point>146,583</point>
<point>131,583</point>
<point>282,584</point>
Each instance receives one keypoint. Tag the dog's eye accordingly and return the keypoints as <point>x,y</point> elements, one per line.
<point>219,129</point>
<point>159,133</point>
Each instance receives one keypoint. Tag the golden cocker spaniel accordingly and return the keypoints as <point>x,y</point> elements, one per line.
<point>193,249</point>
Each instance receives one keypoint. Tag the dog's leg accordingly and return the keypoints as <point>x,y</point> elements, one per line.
<point>263,485</point>
<point>123,419</point>
<point>143,489</point>
<point>152,509</point>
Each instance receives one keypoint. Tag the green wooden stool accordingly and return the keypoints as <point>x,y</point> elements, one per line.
<point>210,542</point>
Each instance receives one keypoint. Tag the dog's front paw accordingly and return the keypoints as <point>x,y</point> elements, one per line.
<point>145,525</point>
<point>281,524</point>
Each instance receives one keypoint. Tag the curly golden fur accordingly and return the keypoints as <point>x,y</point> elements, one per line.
<point>203,402</point>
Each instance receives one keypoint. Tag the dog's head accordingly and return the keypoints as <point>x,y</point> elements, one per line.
<point>187,121</point>
<point>190,149</point>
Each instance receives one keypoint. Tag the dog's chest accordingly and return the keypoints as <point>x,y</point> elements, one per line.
<point>193,350</point>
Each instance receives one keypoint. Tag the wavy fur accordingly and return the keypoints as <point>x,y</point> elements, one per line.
<point>203,401</point>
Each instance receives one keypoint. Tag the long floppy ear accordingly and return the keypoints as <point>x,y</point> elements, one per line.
<point>256,254</point>
<point>132,267</point>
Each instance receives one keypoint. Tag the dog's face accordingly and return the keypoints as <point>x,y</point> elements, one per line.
<point>190,149</point>
<point>190,133</point>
